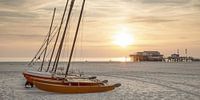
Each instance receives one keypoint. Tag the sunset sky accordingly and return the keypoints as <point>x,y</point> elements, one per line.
<point>163,25</point>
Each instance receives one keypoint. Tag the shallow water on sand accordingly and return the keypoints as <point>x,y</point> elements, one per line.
<point>140,81</point>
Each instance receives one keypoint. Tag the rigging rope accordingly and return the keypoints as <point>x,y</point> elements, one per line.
<point>63,37</point>
<point>61,23</point>
<point>75,37</point>
<point>47,43</point>
<point>35,58</point>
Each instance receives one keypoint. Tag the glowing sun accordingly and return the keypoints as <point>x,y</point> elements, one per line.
<point>123,39</point>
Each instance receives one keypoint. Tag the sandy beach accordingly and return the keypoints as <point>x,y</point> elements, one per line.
<point>140,81</point>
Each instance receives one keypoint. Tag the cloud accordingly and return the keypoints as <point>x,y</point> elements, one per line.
<point>150,19</point>
<point>12,3</point>
<point>148,11</point>
<point>20,35</point>
<point>14,14</point>
<point>165,1</point>
<point>195,42</point>
<point>14,38</point>
<point>197,6</point>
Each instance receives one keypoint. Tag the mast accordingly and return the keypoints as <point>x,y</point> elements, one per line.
<point>75,37</point>
<point>63,36</point>
<point>48,39</point>
<point>61,23</point>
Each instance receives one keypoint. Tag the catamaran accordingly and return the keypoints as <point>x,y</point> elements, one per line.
<point>48,79</point>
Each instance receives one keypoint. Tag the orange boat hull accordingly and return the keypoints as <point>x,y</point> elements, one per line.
<point>48,79</point>
<point>62,82</point>
<point>29,77</point>
<point>57,88</point>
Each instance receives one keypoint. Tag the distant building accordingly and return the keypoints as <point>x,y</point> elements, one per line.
<point>178,58</point>
<point>175,56</point>
<point>147,56</point>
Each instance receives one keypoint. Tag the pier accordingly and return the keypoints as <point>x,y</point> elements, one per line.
<point>146,56</point>
<point>178,58</point>
<point>157,56</point>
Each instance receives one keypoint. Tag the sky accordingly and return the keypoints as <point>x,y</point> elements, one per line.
<point>162,25</point>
